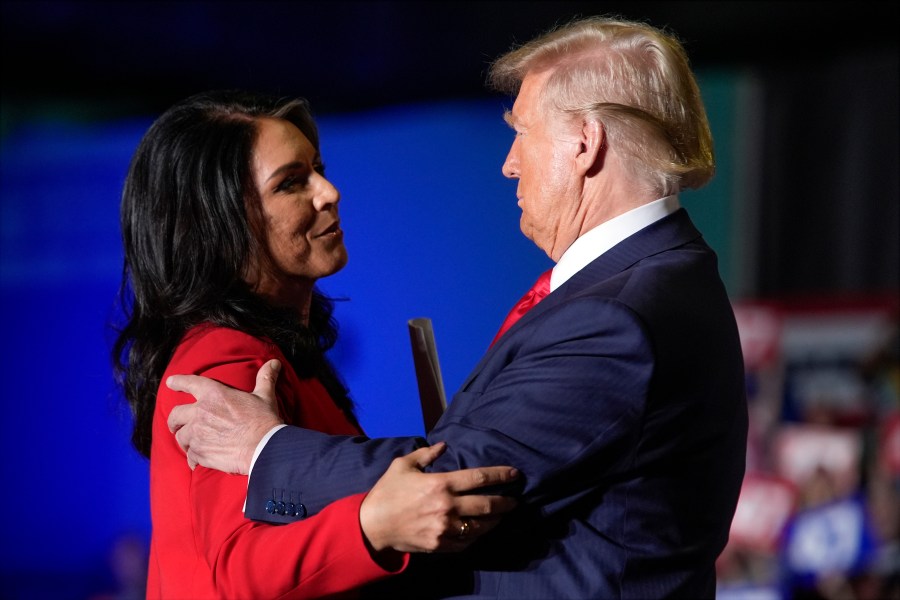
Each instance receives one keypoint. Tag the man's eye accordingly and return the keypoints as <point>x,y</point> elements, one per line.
<point>320,169</point>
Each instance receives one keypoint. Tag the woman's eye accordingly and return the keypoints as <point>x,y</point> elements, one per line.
<point>289,183</point>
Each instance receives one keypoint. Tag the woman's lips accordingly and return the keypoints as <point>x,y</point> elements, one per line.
<point>333,229</point>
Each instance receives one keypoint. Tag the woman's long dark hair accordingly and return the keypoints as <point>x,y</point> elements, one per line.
<point>191,225</point>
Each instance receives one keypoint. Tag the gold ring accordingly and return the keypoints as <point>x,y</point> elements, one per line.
<point>464,529</point>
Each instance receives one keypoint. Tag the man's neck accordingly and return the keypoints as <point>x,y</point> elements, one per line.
<point>606,235</point>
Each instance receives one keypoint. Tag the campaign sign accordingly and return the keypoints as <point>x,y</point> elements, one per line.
<point>834,538</point>
<point>805,451</point>
<point>764,507</point>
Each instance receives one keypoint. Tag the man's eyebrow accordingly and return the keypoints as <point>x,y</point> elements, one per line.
<point>509,118</point>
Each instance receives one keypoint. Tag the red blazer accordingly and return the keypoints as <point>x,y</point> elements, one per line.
<point>202,545</point>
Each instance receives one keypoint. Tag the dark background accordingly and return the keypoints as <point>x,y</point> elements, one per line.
<point>141,56</point>
<point>805,207</point>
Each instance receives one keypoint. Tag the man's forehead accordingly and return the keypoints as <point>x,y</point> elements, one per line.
<point>517,115</point>
<point>528,100</point>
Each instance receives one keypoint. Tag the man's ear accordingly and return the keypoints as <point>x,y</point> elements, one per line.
<point>591,150</point>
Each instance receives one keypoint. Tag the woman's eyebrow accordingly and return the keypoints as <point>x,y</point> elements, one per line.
<point>286,167</point>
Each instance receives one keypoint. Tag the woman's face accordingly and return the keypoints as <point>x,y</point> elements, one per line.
<point>299,206</point>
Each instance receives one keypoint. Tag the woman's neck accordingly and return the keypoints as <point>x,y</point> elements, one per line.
<point>292,293</point>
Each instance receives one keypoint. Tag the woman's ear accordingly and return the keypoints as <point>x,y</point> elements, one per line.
<point>591,150</point>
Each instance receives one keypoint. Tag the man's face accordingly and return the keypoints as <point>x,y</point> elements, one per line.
<point>542,159</point>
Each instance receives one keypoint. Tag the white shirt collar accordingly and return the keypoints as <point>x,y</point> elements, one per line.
<point>601,238</point>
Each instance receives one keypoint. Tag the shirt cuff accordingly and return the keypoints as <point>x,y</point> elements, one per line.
<point>259,448</point>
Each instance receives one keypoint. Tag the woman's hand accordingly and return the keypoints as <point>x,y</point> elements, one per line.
<point>412,511</point>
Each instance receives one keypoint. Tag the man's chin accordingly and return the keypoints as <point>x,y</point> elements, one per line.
<point>529,232</point>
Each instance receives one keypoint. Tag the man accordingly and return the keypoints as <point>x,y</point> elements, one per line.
<point>619,396</point>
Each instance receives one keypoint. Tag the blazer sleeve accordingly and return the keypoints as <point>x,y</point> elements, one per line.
<point>324,554</point>
<point>561,400</point>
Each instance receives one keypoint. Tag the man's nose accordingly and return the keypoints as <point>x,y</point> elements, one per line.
<point>511,165</point>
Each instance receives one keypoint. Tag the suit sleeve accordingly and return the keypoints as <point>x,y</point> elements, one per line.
<point>319,468</point>
<point>562,400</point>
<point>311,558</point>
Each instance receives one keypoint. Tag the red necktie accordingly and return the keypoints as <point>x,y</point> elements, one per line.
<point>538,292</point>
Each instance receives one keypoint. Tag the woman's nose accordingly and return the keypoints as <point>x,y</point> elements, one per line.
<point>328,195</point>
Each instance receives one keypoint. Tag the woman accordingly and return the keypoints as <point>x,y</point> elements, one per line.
<point>228,221</point>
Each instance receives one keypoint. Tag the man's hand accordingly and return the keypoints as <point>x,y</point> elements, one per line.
<point>223,427</point>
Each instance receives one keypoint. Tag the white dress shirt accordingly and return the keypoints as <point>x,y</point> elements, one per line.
<point>601,238</point>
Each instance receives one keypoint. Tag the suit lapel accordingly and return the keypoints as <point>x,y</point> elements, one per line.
<point>669,232</point>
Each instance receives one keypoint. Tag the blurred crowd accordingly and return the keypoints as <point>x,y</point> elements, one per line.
<point>819,512</point>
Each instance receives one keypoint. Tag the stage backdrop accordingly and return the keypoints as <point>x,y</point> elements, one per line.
<point>432,230</point>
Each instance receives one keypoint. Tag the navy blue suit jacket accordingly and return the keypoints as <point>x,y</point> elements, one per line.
<point>620,398</point>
